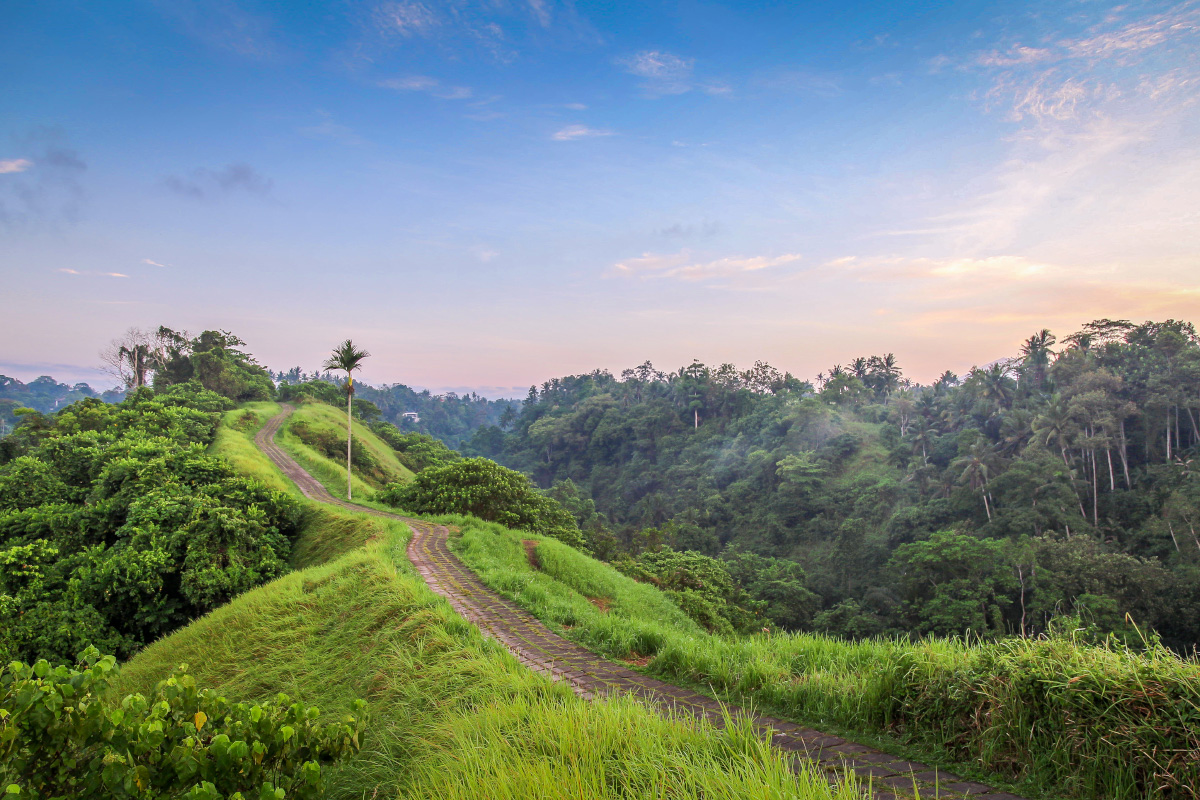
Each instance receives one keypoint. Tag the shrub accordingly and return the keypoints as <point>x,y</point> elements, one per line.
<point>60,738</point>
<point>482,488</point>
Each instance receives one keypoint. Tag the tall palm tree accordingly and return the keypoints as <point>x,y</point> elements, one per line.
<point>1036,351</point>
<point>346,357</point>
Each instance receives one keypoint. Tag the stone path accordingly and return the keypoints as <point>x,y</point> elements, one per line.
<point>590,675</point>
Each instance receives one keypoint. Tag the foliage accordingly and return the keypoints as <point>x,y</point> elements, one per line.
<point>116,527</point>
<point>1084,445</point>
<point>215,361</point>
<point>59,738</point>
<point>1061,715</point>
<point>415,450</point>
<point>449,417</point>
<point>451,714</point>
<point>484,489</point>
<point>700,585</point>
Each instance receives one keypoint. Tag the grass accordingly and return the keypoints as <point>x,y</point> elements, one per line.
<point>317,419</point>
<point>1049,716</point>
<point>235,443</point>
<point>450,714</point>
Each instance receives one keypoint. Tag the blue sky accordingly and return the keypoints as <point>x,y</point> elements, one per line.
<point>490,194</point>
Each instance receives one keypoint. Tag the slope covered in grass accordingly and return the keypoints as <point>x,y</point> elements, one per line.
<point>450,715</point>
<point>1060,717</point>
<point>315,435</point>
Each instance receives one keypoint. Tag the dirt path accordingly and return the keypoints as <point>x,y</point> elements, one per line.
<point>590,675</point>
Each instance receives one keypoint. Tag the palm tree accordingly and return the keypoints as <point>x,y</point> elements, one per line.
<point>977,467</point>
<point>347,357</point>
<point>1037,352</point>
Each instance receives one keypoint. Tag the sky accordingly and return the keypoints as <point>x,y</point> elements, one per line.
<point>486,195</point>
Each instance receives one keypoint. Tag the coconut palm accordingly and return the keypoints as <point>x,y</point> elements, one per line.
<point>347,358</point>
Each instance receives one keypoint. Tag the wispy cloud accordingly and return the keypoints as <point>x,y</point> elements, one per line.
<point>1016,55</point>
<point>205,183</point>
<point>664,73</point>
<point>572,132</point>
<point>428,85</point>
<point>11,165</point>
<point>68,271</point>
<point>681,266</point>
<point>1140,35</point>
<point>153,263</point>
<point>334,131</point>
<point>46,185</point>
<point>224,25</point>
<point>406,18</point>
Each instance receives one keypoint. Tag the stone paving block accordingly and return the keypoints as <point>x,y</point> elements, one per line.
<point>967,787</point>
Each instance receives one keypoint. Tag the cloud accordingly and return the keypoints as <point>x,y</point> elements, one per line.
<point>662,73</point>
<point>1014,56</point>
<point>572,132</point>
<point>68,271</point>
<point>406,19</point>
<point>576,106</point>
<point>223,25</point>
<point>153,263</point>
<point>658,65</point>
<point>1141,35</point>
<point>431,86</point>
<point>46,185</point>
<point>328,129</point>
<point>11,165</point>
<point>680,230</point>
<point>205,183</point>
<point>681,266</point>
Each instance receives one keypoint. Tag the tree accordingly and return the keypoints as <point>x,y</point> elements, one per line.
<point>347,358</point>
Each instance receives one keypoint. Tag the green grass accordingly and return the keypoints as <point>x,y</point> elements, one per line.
<point>320,418</point>
<point>450,714</point>
<point>1053,717</point>
<point>235,443</point>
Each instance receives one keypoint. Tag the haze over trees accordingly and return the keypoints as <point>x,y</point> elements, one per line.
<point>1058,482</point>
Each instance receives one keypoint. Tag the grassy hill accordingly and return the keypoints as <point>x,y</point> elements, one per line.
<point>315,435</point>
<point>451,715</point>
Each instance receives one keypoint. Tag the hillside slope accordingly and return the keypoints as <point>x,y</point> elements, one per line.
<point>451,715</point>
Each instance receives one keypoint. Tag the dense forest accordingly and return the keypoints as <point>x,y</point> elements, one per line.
<point>1058,483</point>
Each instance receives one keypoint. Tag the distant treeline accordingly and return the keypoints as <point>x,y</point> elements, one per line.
<point>451,417</point>
<point>1057,483</point>
<point>44,394</point>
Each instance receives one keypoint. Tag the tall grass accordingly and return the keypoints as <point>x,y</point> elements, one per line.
<point>320,418</point>
<point>1057,716</point>
<point>450,714</point>
<point>235,443</point>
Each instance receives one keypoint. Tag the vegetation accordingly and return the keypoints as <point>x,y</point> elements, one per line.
<point>315,435</point>
<point>1056,483</point>
<point>1056,713</point>
<point>116,527</point>
<point>484,489</point>
<point>347,358</point>
<point>449,714</point>
<point>59,738</point>
<point>449,417</point>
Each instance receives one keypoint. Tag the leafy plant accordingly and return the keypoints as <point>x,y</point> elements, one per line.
<point>60,738</point>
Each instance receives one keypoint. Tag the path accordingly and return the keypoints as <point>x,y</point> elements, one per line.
<point>590,675</point>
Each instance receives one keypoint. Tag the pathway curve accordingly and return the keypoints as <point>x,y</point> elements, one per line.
<point>590,675</point>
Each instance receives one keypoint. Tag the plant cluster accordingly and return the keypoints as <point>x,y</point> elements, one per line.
<point>61,737</point>
<point>116,527</point>
<point>482,488</point>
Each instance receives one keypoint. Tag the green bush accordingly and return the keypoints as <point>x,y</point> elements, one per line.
<point>60,738</point>
<point>482,488</point>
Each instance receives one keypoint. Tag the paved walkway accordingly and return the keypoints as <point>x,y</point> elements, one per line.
<point>590,675</point>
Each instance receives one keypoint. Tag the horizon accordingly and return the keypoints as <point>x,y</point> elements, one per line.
<point>487,195</point>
